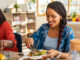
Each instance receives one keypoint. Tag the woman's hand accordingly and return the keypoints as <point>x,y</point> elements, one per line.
<point>51,54</point>
<point>3,44</point>
<point>6,44</point>
<point>29,41</point>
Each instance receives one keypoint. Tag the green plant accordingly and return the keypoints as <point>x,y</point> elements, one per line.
<point>74,14</point>
<point>33,1</point>
<point>16,6</point>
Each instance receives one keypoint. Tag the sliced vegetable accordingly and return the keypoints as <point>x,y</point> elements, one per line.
<point>38,53</point>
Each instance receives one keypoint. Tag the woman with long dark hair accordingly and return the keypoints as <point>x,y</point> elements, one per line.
<point>7,38</point>
<point>55,35</point>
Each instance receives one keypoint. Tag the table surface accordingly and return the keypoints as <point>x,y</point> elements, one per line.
<point>17,55</point>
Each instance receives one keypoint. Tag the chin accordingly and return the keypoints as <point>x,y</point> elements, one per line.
<point>52,26</point>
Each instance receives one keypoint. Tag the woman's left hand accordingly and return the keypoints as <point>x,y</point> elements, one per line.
<point>51,54</point>
<point>3,44</point>
<point>6,44</point>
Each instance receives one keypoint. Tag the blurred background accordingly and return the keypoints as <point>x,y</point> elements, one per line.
<point>26,16</point>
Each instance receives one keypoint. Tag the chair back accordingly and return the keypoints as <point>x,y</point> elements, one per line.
<point>19,41</point>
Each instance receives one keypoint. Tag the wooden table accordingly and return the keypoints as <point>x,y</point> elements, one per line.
<point>50,59</point>
<point>16,55</point>
<point>10,55</point>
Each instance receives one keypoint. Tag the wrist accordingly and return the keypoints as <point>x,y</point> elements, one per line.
<point>58,55</point>
<point>10,44</point>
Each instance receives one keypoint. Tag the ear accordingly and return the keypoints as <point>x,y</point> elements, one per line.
<point>61,17</point>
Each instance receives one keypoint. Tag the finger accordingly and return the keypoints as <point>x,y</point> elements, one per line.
<point>1,45</point>
<point>51,55</point>
<point>51,50</point>
<point>5,44</point>
<point>31,42</point>
<point>46,56</point>
<point>28,43</point>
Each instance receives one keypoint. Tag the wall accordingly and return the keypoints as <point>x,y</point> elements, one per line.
<point>6,3</point>
<point>40,20</point>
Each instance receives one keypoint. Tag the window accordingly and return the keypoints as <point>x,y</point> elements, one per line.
<point>41,7</point>
<point>71,5</point>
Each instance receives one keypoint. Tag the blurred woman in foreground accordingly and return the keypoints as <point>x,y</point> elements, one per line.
<point>7,38</point>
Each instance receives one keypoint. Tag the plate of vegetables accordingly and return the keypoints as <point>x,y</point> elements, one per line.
<point>37,54</point>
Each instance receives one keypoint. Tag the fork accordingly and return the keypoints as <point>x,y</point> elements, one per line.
<point>32,48</point>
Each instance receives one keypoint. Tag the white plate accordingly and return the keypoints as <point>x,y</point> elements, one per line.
<point>24,57</point>
<point>36,57</point>
<point>31,57</point>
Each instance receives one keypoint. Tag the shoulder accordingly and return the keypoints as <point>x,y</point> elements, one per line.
<point>5,23</point>
<point>45,26</point>
<point>68,28</point>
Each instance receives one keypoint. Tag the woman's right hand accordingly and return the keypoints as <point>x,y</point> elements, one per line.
<point>29,41</point>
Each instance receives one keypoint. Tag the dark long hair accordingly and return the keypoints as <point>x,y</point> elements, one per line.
<point>2,17</point>
<point>60,9</point>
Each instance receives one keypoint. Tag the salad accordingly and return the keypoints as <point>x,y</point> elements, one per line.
<point>37,53</point>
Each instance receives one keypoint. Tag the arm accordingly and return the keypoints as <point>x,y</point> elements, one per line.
<point>37,35</point>
<point>34,38</point>
<point>56,54</point>
<point>10,37</point>
<point>66,50</point>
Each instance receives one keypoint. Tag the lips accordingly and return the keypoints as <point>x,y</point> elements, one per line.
<point>50,23</point>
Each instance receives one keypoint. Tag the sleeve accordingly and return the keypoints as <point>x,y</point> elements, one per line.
<point>69,36</point>
<point>9,33</point>
<point>37,35</point>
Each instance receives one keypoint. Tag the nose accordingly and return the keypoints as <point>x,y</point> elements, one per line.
<point>50,18</point>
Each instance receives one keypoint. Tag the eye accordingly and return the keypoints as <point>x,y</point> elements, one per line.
<point>47,15</point>
<point>53,16</point>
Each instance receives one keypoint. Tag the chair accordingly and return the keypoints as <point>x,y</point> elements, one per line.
<point>19,41</point>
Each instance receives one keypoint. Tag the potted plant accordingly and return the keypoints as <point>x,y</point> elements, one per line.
<point>74,16</point>
<point>33,1</point>
<point>16,6</point>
